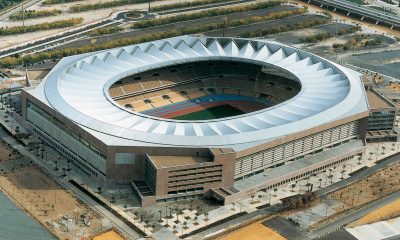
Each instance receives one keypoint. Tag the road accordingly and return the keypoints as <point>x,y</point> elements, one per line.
<point>71,36</point>
<point>352,216</point>
<point>54,39</point>
<point>344,5</point>
<point>125,229</point>
<point>6,14</point>
<point>187,24</point>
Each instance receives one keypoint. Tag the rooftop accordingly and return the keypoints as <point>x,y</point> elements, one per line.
<point>218,151</point>
<point>77,88</point>
<point>171,161</point>
<point>376,101</point>
<point>37,74</point>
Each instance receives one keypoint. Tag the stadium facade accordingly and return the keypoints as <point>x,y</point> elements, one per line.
<point>108,112</point>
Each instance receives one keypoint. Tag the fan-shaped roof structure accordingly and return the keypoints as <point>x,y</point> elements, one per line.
<point>78,89</point>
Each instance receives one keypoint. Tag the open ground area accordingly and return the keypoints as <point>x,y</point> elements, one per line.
<point>52,206</point>
<point>387,212</point>
<point>355,195</point>
<point>255,231</point>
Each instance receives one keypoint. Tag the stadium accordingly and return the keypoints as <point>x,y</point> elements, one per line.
<point>193,116</point>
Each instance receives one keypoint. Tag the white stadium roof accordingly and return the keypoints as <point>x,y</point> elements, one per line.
<point>77,87</point>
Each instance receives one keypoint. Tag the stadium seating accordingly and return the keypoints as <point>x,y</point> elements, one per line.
<point>184,82</point>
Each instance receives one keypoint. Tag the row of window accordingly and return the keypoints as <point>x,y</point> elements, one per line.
<point>196,168</point>
<point>189,190</point>
<point>66,129</point>
<point>312,143</point>
<point>192,179</point>
<point>196,183</point>
<point>150,176</point>
<point>196,173</point>
<point>42,121</point>
<point>174,199</point>
<point>61,149</point>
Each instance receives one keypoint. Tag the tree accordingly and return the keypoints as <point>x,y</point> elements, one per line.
<point>184,226</point>
<point>342,172</point>
<point>252,198</point>
<point>292,186</point>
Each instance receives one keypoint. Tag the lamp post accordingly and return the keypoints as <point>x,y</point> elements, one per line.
<point>149,6</point>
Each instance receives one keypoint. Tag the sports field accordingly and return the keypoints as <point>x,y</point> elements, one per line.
<point>220,111</point>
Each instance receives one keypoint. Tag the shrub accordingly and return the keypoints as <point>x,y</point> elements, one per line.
<point>42,26</point>
<point>88,7</point>
<point>50,2</point>
<point>185,5</point>
<point>285,28</point>
<point>34,14</point>
<point>104,31</point>
<point>203,14</point>
<point>316,37</point>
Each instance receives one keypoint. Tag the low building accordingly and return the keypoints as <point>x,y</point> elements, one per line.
<point>381,119</point>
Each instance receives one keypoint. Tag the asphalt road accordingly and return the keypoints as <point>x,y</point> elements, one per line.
<point>355,9</point>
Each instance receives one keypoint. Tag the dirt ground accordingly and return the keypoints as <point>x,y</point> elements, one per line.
<point>379,184</point>
<point>255,231</point>
<point>55,208</point>
<point>5,152</point>
<point>108,235</point>
<point>389,211</point>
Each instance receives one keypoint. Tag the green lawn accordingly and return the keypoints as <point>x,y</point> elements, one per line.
<point>211,113</point>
